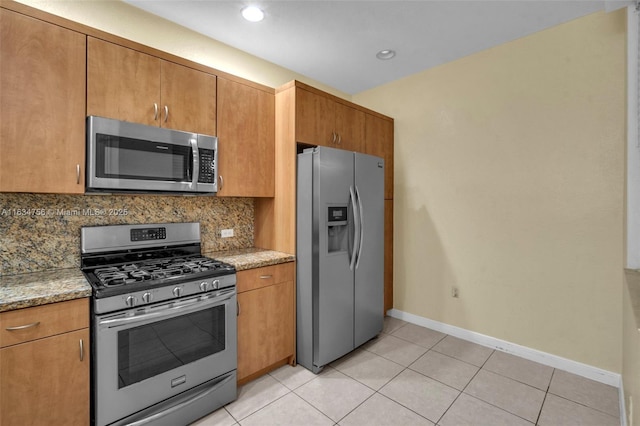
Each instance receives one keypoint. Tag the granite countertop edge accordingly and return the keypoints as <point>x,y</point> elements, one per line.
<point>41,288</point>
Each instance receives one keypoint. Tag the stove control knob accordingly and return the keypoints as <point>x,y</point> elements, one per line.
<point>147,297</point>
<point>204,286</point>
<point>216,284</point>
<point>177,292</point>
<point>130,301</point>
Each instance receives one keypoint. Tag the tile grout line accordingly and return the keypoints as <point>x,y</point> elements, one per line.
<point>470,380</point>
<point>408,367</point>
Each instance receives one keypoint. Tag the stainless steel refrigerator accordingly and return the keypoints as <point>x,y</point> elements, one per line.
<point>340,253</point>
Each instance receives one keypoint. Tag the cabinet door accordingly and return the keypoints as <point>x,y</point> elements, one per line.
<point>42,106</point>
<point>350,127</point>
<point>265,327</point>
<point>188,99</point>
<point>44,382</point>
<point>315,118</point>
<point>388,255</point>
<point>122,83</point>
<point>379,141</point>
<point>246,140</point>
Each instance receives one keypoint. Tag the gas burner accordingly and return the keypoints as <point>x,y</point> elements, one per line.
<point>157,270</point>
<point>140,275</point>
<point>115,264</point>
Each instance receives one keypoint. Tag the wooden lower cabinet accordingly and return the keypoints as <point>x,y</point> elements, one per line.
<point>45,381</point>
<point>266,320</point>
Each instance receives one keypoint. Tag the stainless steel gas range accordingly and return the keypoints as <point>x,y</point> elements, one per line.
<point>164,328</point>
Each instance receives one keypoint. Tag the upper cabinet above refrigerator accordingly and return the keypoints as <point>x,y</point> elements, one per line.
<point>326,122</point>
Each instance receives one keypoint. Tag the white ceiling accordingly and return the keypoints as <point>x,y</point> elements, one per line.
<point>335,41</point>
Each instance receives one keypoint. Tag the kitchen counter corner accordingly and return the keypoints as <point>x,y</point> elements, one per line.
<point>251,258</point>
<point>39,288</point>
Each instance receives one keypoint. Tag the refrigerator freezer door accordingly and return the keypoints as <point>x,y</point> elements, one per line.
<point>369,272</point>
<point>334,309</point>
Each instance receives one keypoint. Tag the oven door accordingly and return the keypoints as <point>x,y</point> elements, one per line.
<point>146,355</point>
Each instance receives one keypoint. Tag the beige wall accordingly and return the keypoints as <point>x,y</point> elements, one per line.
<point>124,20</point>
<point>509,185</point>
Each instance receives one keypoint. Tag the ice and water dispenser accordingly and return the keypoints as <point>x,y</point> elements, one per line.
<point>337,229</point>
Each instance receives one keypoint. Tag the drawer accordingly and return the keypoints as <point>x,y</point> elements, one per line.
<point>252,279</point>
<point>23,325</point>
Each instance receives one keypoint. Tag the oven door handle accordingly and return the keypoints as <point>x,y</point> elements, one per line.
<point>169,312</point>
<point>181,405</point>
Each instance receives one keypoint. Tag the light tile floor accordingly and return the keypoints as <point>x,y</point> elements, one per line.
<point>410,375</point>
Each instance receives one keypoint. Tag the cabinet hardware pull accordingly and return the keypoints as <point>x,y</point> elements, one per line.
<point>221,182</point>
<point>78,174</point>
<point>237,308</point>
<point>265,277</point>
<point>155,111</point>
<point>166,113</point>
<point>334,137</point>
<point>81,350</point>
<point>339,139</point>
<point>22,327</point>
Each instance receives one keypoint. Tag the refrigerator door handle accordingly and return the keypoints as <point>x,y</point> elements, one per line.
<point>361,227</point>
<point>356,221</point>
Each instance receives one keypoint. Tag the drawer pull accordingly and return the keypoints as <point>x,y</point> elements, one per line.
<point>22,327</point>
<point>265,277</point>
<point>81,350</point>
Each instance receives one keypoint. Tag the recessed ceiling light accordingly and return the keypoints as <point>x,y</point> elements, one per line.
<point>253,14</point>
<point>386,54</point>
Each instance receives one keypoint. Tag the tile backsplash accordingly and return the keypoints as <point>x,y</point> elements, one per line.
<point>42,231</point>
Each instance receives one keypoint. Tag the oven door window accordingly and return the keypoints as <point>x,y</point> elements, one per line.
<point>152,349</point>
<point>126,158</point>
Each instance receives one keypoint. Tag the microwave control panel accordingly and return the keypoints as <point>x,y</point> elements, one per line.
<point>207,172</point>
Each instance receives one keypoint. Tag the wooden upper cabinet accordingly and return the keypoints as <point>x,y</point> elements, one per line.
<point>315,117</point>
<point>350,128</point>
<point>122,83</point>
<point>188,99</point>
<point>42,106</point>
<point>379,141</point>
<point>323,121</point>
<point>128,85</point>
<point>246,140</point>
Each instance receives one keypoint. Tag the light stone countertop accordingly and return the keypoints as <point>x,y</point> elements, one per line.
<point>251,258</point>
<point>39,288</point>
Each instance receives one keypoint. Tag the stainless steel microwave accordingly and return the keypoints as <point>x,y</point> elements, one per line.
<point>129,157</point>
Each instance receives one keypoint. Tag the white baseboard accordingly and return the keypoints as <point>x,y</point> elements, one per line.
<point>575,367</point>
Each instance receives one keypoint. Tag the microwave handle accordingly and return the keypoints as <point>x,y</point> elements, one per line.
<point>195,164</point>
